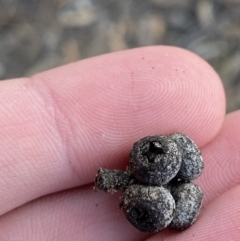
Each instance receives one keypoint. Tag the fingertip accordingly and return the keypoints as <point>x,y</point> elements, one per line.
<point>149,90</point>
<point>221,155</point>
<point>113,100</point>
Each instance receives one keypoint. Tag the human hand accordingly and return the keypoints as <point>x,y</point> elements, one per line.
<point>57,128</point>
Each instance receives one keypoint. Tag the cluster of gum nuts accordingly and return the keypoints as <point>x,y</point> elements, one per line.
<point>158,191</point>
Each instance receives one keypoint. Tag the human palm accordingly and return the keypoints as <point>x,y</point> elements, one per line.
<point>57,128</point>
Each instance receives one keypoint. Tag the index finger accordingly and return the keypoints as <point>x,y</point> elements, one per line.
<point>58,127</point>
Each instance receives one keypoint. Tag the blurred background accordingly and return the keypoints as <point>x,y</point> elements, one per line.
<point>37,35</point>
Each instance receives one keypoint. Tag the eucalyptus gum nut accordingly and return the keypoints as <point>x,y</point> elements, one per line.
<point>192,162</point>
<point>155,160</point>
<point>148,208</point>
<point>156,186</point>
<point>188,199</point>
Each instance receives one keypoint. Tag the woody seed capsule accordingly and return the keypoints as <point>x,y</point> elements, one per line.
<point>156,186</point>
<point>188,198</point>
<point>192,161</point>
<point>154,160</point>
<point>148,208</point>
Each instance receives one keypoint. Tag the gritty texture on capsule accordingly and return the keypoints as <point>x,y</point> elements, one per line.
<point>112,180</point>
<point>156,184</point>
<point>188,198</point>
<point>148,208</point>
<point>192,161</point>
<point>155,160</point>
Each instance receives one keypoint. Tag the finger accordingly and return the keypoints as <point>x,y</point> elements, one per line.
<point>99,212</point>
<point>219,221</point>
<point>70,215</point>
<point>215,181</point>
<point>222,160</point>
<point>58,127</point>
<point>81,215</point>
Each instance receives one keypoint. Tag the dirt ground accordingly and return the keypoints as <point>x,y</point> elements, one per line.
<point>36,35</point>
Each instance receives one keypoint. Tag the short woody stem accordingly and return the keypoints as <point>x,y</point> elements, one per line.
<point>112,180</point>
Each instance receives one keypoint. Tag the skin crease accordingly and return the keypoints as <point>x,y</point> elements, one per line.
<point>58,127</point>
